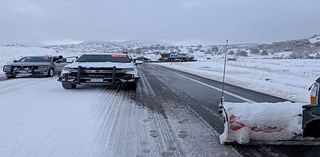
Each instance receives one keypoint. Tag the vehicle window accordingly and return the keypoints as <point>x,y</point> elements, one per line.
<point>71,59</point>
<point>36,59</point>
<point>118,58</point>
<point>61,60</point>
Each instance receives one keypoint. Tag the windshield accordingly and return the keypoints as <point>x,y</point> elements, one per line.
<point>36,59</point>
<point>118,58</point>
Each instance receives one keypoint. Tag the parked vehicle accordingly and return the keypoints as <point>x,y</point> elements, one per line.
<point>35,65</point>
<point>138,62</point>
<point>100,69</point>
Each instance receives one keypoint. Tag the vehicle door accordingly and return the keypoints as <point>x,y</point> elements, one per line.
<point>59,64</point>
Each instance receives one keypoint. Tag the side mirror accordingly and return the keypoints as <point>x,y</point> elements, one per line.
<point>14,61</point>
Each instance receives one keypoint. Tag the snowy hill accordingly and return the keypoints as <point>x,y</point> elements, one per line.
<point>105,46</point>
<point>21,44</point>
<point>315,39</point>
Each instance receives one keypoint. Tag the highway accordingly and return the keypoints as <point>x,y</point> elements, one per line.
<point>172,114</point>
<point>203,95</point>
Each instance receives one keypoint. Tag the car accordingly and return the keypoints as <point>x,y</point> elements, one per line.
<point>35,65</point>
<point>138,62</point>
<point>100,69</point>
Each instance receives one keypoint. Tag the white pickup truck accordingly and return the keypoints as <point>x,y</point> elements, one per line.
<point>100,69</point>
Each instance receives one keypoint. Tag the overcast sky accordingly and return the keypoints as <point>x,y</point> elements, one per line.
<point>209,21</point>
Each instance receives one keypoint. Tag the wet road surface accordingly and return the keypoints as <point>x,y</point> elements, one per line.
<point>196,92</point>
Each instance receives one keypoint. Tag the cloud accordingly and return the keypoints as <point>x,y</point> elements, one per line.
<point>179,20</point>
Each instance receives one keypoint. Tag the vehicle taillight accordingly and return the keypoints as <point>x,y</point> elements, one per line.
<point>314,94</point>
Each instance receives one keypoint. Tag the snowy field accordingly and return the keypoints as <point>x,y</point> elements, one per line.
<point>288,79</point>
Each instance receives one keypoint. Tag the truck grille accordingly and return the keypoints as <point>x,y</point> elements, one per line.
<point>99,72</point>
<point>24,67</point>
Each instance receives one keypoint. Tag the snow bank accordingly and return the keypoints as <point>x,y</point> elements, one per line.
<point>261,121</point>
<point>285,78</point>
<point>315,39</point>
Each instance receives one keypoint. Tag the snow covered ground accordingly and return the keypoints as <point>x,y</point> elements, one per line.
<point>286,78</point>
<point>39,118</point>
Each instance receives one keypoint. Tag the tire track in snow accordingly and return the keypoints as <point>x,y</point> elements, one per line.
<point>122,130</point>
<point>108,120</point>
<point>8,87</point>
<point>161,125</point>
<point>171,103</point>
<point>125,125</point>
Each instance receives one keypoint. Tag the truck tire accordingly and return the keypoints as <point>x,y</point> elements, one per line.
<point>68,85</point>
<point>50,72</point>
<point>132,85</point>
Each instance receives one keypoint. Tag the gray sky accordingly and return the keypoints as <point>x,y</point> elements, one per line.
<point>209,21</point>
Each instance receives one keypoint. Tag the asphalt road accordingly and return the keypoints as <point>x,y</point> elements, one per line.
<point>202,96</point>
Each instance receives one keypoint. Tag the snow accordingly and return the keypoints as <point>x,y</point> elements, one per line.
<point>315,39</point>
<point>285,54</point>
<point>61,42</point>
<point>39,118</point>
<point>285,78</point>
<point>193,134</point>
<point>262,121</point>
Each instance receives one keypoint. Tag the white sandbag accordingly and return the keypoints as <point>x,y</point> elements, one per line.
<point>261,122</point>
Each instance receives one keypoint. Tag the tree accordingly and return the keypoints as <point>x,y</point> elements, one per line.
<point>214,49</point>
<point>264,53</point>
<point>254,51</point>
<point>231,52</point>
<point>242,53</point>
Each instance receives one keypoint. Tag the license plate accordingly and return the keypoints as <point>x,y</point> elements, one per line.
<point>96,80</point>
<point>24,71</point>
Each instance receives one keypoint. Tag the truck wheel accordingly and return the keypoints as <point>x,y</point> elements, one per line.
<point>68,85</point>
<point>50,72</point>
<point>132,85</point>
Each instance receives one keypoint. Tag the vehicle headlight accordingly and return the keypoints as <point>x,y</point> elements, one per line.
<point>131,71</point>
<point>67,70</point>
<point>7,68</point>
<point>43,67</point>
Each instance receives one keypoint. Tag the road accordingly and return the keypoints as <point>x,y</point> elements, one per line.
<point>202,96</point>
<point>172,113</point>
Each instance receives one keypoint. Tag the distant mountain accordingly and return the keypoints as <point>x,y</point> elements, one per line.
<point>300,48</point>
<point>22,44</point>
<point>314,39</point>
<point>108,46</point>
